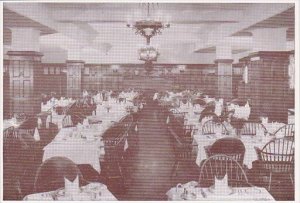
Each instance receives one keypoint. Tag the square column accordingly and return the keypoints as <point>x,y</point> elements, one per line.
<point>24,71</point>
<point>74,72</point>
<point>224,78</point>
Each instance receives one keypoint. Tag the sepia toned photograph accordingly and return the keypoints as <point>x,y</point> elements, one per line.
<point>149,101</point>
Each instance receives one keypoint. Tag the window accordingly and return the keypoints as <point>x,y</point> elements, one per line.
<point>292,72</point>
<point>46,70</point>
<point>51,70</point>
<point>245,75</point>
<point>57,70</point>
<point>16,69</point>
<point>26,68</point>
<point>86,70</point>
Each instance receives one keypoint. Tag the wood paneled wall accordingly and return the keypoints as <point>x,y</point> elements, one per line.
<point>268,87</point>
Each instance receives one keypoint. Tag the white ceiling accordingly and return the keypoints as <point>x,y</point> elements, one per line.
<point>99,32</point>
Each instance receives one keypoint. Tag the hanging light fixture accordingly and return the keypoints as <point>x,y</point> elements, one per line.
<point>148,53</point>
<point>148,28</point>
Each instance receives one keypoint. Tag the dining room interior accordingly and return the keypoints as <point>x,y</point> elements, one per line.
<point>148,101</point>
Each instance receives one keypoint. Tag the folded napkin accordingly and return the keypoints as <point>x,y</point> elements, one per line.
<point>72,187</point>
<point>85,122</point>
<point>48,120</point>
<point>221,185</point>
<point>14,120</point>
<point>264,120</point>
<point>126,145</point>
<point>39,122</point>
<point>36,135</point>
<point>168,120</point>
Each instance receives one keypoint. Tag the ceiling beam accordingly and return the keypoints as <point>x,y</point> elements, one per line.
<point>252,16</point>
<point>82,33</point>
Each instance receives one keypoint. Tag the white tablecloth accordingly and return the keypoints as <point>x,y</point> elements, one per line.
<point>239,193</point>
<point>249,142</point>
<point>79,151</point>
<point>69,143</point>
<point>92,191</point>
<point>55,102</point>
<point>58,120</point>
<point>9,123</point>
<point>273,127</point>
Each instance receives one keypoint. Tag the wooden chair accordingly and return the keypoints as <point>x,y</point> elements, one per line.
<point>59,110</point>
<point>277,156</point>
<point>252,128</point>
<point>232,147</point>
<point>183,152</point>
<point>8,132</point>
<point>13,168</point>
<point>188,129</point>
<point>210,127</point>
<point>199,101</point>
<point>287,131</point>
<point>24,132</point>
<point>217,166</point>
<point>113,159</point>
<point>11,145</point>
<point>50,174</point>
<point>67,121</point>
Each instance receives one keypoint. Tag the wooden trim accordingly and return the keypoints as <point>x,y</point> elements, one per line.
<point>24,53</point>
<point>267,54</point>
<point>224,61</point>
<point>74,61</point>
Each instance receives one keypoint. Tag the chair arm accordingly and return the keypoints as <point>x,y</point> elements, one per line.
<point>258,153</point>
<point>207,150</point>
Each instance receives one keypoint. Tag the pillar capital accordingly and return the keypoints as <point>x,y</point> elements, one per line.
<point>24,55</point>
<point>75,62</point>
<point>230,61</point>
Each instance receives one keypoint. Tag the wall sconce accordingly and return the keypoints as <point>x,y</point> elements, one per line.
<point>181,68</point>
<point>115,68</point>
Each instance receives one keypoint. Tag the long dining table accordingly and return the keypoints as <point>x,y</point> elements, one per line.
<point>90,192</point>
<point>83,143</point>
<point>196,193</point>
<point>249,141</point>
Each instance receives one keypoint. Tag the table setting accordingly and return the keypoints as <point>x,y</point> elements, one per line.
<point>53,102</point>
<point>217,192</point>
<point>72,191</point>
<point>249,141</point>
<point>81,144</point>
<point>11,123</point>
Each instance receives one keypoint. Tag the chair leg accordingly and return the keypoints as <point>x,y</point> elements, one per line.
<point>175,169</point>
<point>270,181</point>
<point>291,177</point>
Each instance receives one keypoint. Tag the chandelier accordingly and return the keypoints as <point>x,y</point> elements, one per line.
<point>148,28</point>
<point>148,53</point>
